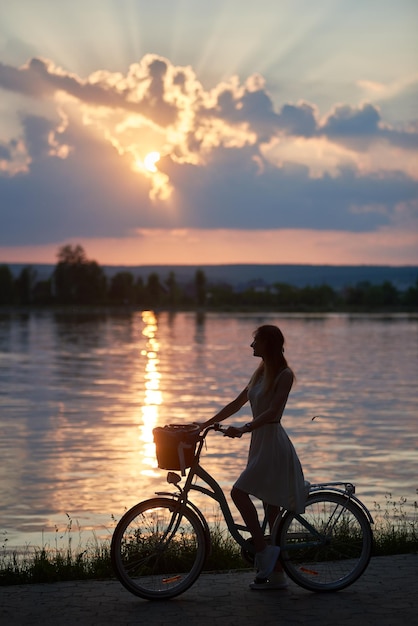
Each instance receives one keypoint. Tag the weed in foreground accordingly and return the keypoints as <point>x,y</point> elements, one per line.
<point>396,526</point>
<point>395,532</point>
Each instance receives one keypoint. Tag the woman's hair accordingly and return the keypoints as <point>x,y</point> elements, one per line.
<point>274,360</point>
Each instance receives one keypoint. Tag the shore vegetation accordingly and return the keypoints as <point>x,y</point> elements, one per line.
<point>71,558</point>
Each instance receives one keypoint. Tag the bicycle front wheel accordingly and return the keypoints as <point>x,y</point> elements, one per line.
<point>329,546</point>
<point>158,550</point>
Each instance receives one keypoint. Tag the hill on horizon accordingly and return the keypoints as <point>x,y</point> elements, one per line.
<point>240,275</point>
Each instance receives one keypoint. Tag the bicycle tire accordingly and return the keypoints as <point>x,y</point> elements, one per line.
<point>155,554</point>
<point>328,547</point>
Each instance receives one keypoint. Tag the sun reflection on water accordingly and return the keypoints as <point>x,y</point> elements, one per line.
<point>153,396</point>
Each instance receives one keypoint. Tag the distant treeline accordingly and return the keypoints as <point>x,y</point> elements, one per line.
<point>78,281</point>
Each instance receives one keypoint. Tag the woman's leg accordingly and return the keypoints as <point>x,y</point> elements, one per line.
<point>249,514</point>
<point>272,512</point>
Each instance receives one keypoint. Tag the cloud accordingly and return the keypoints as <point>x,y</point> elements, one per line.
<point>230,157</point>
<point>141,91</point>
<point>231,192</point>
<point>299,120</point>
<point>5,154</point>
<point>352,121</point>
<point>13,159</point>
<point>402,86</point>
<point>363,125</point>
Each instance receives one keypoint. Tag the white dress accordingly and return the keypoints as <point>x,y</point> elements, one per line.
<point>273,473</point>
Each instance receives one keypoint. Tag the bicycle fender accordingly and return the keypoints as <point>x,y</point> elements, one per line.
<point>351,496</point>
<point>174,496</point>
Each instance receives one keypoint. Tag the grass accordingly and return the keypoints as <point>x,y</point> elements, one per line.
<point>395,532</point>
<point>52,564</point>
<point>396,526</point>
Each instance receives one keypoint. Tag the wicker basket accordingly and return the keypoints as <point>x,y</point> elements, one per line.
<point>175,446</point>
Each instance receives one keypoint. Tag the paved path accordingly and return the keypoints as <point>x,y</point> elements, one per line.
<point>386,595</point>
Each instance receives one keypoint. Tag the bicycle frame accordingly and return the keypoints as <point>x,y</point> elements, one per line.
<point>215,492</point>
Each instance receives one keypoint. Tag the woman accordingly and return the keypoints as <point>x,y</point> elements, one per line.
<point>273,473</point>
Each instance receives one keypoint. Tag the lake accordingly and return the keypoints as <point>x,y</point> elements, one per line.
<point>81,393</point>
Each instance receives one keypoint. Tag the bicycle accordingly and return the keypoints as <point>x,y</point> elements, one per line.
<point>159,546</point>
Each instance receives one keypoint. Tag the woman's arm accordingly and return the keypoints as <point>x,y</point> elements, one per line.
<point>269,415</point>
<point>228,410</point>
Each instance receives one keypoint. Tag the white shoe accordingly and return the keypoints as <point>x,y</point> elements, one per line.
<point>276,580</point>
<point>266,560</point>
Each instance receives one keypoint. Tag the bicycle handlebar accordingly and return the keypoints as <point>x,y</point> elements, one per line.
<point>216,427</point>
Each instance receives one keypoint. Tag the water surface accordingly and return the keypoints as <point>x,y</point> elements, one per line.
<point>80,395</point>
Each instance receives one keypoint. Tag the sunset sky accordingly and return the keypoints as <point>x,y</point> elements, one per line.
<point>196,132</point>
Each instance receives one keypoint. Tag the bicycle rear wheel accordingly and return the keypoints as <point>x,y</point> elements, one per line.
<point>329,546</point>
<point>157,553</point>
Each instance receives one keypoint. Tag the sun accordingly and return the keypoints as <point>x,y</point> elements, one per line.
<point>150,160</point>
<point>160,187</point>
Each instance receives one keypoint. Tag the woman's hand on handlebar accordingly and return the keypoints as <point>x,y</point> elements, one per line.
<point>233,432</point>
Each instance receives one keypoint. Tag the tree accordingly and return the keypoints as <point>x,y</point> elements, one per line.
<point>200,287</point>
<point>367,296</point>
<point>390,294</point>
<point>71,255</point>
<point>139,291</point>
<point>356,296</point>
<point>257,296</point>
<point>6,285</point>
<point>221,295</point>
<point>173,294</point>
<point>410,296</point>
<point>42,292</point>
<point>76,279</point>
<point>24,285</point>
<point>153,290</point>
<point>287,296</point>
<point>92,283</point>
<point>320,298</point>
<point>122,288</point>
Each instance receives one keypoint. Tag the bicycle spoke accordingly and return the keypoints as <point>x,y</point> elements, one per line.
<point>327,547</point>
<point>158,551</point>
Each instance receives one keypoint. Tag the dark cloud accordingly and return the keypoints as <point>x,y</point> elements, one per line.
<point>255,108</point>
<point>40,78</point>
<point>363,125</point>
<point>230,192</point>
<point>403,139</point>
<point>356,127</point>
<point>347,120</point>
<point>298,120</point>
<point>24,80</point>
<point>93,192</point>
<point>36,130</point>
<point>5,152</point>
